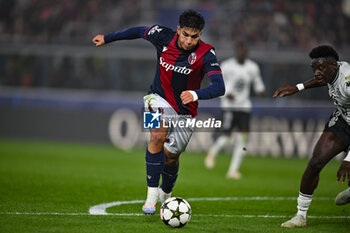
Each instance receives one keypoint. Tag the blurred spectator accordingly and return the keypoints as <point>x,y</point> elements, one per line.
<point>21,71</point>
<point>7,9</point>
<point>268,25</point>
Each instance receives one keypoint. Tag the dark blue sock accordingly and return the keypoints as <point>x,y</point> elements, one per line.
<point>154,167</point>
<point>169,176</point>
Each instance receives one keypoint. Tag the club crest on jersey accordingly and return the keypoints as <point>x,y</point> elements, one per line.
<point>192,58</point>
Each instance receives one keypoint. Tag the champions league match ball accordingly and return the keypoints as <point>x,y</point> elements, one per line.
<point>175,212</point>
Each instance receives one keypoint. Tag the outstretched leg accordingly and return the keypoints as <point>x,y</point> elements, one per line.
<point>327,147</point>
<point>155,158</point>
<point>169,175</point>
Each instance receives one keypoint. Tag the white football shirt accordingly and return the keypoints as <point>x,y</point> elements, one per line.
<point>238,80</point>
<point>339,90</point>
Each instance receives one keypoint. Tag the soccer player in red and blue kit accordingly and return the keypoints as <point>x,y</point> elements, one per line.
<point>183,59</point>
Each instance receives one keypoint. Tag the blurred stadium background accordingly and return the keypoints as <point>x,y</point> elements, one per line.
<point>55,85</point>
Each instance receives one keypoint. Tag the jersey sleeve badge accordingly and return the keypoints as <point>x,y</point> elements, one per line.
<point>156,28</point>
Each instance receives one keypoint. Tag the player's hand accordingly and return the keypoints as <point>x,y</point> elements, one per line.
<point>343,172</point>
<point>99,40</point>
<point>285,91</point>
<point>186,97</point>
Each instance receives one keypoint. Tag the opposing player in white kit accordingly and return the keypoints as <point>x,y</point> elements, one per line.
<point>336,135</point>
<point>240,73</point>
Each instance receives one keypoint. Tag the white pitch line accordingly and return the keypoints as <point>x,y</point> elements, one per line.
<point>101,208</point>
<point>251,198</point>
<point>43,213</point>
<point>195,215</point>
<point>266,216</point>
<point>68,214</point>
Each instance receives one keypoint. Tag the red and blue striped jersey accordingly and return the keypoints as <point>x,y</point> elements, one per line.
<point>178,70</point>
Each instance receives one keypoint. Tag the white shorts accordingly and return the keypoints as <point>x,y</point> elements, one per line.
<point>177,138</point>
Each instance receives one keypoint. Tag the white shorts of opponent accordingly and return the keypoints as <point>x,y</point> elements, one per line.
<point>177,137</point>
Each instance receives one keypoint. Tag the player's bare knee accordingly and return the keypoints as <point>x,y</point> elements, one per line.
<point>171,160</point>
<point>315,166</point>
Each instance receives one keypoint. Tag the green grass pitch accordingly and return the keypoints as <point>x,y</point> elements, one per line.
<point>49,187</point>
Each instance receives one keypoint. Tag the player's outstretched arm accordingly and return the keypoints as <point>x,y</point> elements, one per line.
<point>290,90</point>
<point>99,40</point>
<point>285,91</point>
<point>217,88</point>
<point>127,34</point>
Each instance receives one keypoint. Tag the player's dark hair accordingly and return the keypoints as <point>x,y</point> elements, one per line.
<point>191,19</point>
<point>324,51</point>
